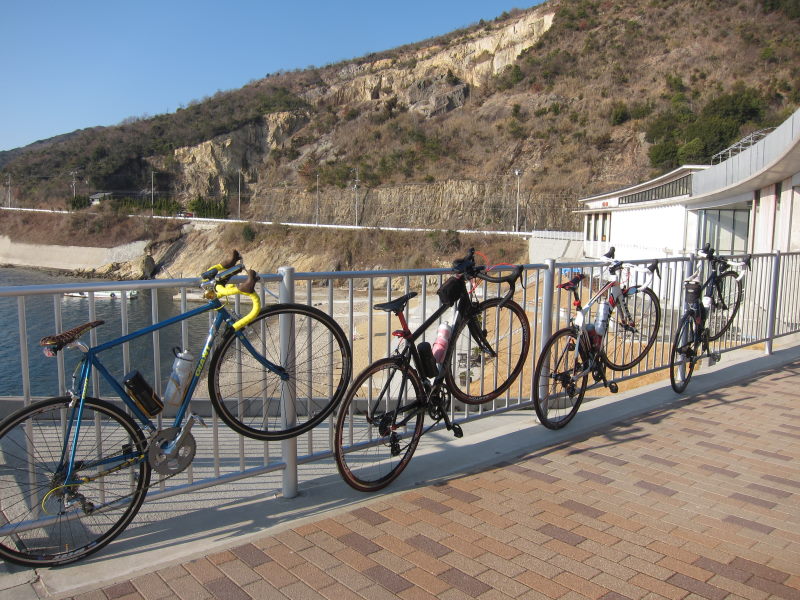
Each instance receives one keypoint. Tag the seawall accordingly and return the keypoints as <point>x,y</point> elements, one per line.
<point>67,258</point>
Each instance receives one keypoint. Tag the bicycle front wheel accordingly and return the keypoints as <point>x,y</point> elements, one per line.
<point>47,520</point>
<point>255,400</point>
<point>558,388</point>
<point>726,297</point>
<point>632,329</point>
<point>490,351</point>
<point>684,356</point>
<point>379,424</point>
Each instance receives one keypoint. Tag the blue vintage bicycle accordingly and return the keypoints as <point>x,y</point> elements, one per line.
<point>74,470</point>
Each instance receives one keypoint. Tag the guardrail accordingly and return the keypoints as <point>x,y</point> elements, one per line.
<point>771,309</point>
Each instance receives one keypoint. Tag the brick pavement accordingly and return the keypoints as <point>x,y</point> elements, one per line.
<point>696,500</point>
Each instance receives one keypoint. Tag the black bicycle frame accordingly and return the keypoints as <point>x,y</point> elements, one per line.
<point>463,307</point>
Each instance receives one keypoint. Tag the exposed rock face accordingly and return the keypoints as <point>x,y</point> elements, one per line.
<point>466,204</point>
<point>472,59</point>
<point>430,81</point>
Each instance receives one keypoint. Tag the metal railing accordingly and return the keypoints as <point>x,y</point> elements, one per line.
<point>771,309</point>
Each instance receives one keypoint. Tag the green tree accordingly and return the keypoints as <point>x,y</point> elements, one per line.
<point>664,155</point>
<point>209,208</point>
<point>692,152</point>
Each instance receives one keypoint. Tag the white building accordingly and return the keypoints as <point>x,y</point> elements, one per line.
<point>748,203</point>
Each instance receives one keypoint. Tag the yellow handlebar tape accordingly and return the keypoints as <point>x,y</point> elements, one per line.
<point>231,290</point>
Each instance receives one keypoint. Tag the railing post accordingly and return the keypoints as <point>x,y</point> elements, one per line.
<point>547,302</point>
<point>23,351</point>
<point>288,390</point>
<point>773,302</point>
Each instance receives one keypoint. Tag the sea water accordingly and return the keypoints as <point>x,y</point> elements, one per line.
<point>40,322</point>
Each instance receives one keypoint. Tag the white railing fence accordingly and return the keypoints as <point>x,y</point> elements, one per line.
<point>771,309</point>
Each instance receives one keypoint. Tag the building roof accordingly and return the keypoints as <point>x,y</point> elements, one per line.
<point>651,183</point>
<point>773,158</point>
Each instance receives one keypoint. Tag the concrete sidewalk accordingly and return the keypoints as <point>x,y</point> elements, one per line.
<point>645,494</point>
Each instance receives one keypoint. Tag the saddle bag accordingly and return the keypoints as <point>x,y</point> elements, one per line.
<point>691,291</point>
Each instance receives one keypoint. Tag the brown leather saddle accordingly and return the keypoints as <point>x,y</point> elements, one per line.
<point>54,343</point>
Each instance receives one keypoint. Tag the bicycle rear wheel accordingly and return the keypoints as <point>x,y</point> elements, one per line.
<point>46,521</point>
<point>316,355</point>
<point>726,297</point>
<point>556,394</point>
<point>684,356</point>
<point>632,329</point>
<point>477,374</point>
<point>370,449</point>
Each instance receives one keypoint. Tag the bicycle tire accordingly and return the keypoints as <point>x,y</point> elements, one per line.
<point>369,458</point>
<point>726,297</point>
<point>683,354</point>
<point>247,395</point>
<point>77,520</point>
<point>557,401</point>
<point>507,331</point>
<point>626,343</point>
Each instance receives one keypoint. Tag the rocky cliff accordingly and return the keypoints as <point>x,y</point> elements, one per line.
<point>429,81</point>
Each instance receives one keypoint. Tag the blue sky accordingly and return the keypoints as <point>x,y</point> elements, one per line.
<point>70,65</point>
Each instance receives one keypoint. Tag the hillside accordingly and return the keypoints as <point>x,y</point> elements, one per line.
<point>563,100</point>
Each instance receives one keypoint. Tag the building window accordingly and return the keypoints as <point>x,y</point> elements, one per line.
<point>598,227</point>
<point>679,187</point>
<point>725,230</point>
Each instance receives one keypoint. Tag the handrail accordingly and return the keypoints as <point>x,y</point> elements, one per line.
<point>349,296</point>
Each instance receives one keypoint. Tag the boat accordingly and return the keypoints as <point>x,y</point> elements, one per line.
<point>104,294</point>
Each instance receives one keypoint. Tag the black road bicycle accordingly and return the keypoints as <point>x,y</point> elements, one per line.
<point>711,308</point>
<point>380,419</point>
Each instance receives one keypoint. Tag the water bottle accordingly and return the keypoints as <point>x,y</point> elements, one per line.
<point>179,378</point>
<point>601,319</point>
<point>706,302</point>
<point>442,340</point>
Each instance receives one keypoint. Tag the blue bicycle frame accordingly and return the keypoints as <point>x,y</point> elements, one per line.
<point>91,360</point>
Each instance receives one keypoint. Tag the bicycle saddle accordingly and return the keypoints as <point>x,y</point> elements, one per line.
<point>396,305</point>
<point>56,342</point>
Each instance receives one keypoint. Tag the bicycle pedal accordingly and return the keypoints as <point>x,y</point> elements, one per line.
<point>457,431</point>
<point>197,418</point>
<point>714,358</point>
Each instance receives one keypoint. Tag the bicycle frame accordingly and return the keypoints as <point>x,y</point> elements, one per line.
<point>582,314</point>
<point>91,361</point>
<point>461,311</point>
<point>615,291</point>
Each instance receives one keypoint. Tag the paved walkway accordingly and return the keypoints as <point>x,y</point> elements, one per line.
<point>699,497</point>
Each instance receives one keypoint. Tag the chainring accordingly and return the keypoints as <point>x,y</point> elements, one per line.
<point>181,457</point>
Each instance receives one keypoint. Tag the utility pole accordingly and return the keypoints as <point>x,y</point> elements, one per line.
<point>355,198</point>
<point>74,183</point>
<point>517,172</point>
